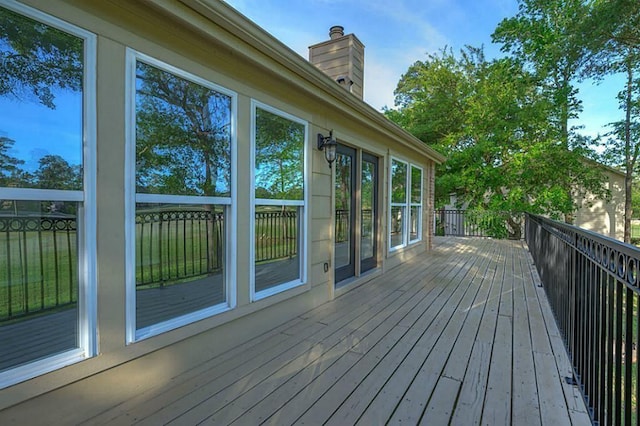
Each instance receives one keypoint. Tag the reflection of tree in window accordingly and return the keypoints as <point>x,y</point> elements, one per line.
<point>398,182</point>
<point>183,140</point>
<point>36,59</point>
<point>38,62</point>
<point>279,157</point>
<point>10,172</point>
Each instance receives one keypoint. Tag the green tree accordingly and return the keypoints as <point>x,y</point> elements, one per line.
<point>9,165</point>
<point>611,32</point>
<point>54,172</point>
<point>501,153</point>
<point>279,156</point>
<point>545,35</point>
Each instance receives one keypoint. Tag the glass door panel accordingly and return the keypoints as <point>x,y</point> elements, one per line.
<point>368,212</point>
<point>344,217</point>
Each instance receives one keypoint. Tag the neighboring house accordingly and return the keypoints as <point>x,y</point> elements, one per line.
<point>205,214</point>
<point>605,217</point>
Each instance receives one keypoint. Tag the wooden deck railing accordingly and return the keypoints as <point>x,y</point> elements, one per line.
<point>592,283</point>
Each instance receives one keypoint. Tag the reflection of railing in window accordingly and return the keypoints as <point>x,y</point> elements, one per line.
<point>343,226</point>
<point>276,235</point>
<point>172,245</point>
<point>38,254</point>
<point>38,264</point>
<point>397,222</point>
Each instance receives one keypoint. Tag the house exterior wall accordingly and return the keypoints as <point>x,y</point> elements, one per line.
<point>215,48</point>
<point>605,217</point>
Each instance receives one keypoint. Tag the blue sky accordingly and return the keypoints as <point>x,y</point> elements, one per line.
<point>397,33</point>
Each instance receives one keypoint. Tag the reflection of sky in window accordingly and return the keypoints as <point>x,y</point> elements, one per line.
<point>39,131</point>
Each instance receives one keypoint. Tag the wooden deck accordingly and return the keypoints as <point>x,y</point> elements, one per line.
<point>460,335</point>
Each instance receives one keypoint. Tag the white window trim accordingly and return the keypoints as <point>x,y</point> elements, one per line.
<point>132,333</point>
<point>408,204</point>
<point>412,204</point>
<point>405,228</point>
<point>304,219</point>
<point>87,290</point>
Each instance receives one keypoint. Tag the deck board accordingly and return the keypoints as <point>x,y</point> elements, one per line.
<point>460,335</point>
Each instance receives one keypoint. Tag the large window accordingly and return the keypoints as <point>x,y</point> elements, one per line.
<point>405,221</point>
<point>180,150</point>
<point>279,201</point>
<point>415,221</point>
<point>47,219</point>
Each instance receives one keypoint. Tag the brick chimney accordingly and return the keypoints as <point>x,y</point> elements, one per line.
<point>341,58</point>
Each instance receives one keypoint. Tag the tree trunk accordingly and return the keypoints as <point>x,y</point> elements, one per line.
<point>629,158</point>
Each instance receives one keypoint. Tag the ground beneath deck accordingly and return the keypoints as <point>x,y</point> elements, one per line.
<point>459,335</point>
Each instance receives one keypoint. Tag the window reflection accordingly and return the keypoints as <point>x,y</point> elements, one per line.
<point>398,182</point>
<point>183,148</point>
<point>38,280</point>
<point>41,146</point>
<point>41,71</point>
<point>277,248</point>
<point>367,189</point>
<point>343,191</point>
<point>279,151</point>
<point>179,260</point>
<point>183,136</point>
<point>278,225</point>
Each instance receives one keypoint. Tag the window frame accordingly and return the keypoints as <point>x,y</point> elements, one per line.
<point>87,229</point>
<point>392,204</point>
<point>407,206</point>
<point>412,204</point>
<point>302,205</point>
<point>133,334</point>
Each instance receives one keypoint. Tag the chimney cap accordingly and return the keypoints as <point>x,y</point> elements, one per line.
<point>336,31</point>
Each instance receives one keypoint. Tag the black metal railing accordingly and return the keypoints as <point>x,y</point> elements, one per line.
<point>592,283</point>
<point>474,223</point>
<point>38,254</point>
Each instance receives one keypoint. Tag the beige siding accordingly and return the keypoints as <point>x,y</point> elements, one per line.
<point>605,217</point>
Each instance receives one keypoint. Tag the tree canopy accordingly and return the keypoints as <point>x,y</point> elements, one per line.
<point>491,119</point>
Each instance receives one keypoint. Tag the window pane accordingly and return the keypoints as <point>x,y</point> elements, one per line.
<point>343,191</point>
<point>277,230</point>
<point>416,185</point>
<point>398,182</point>
<point>397,230</point>
<point>367,234</point>
<point>38,280</point>
<point>179,260</point>
<point>41,76</point>
<point>414,226</point>
<point>183,136</point>
<point>279,168</point>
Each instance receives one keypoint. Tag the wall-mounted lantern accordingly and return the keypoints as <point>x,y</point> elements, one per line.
<point>328,145</point>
